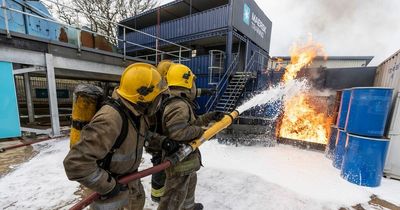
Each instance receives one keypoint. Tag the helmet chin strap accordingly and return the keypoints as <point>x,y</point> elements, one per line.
<point>140,107</point>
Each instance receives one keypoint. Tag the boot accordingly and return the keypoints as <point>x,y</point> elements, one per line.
<point>198,206</point>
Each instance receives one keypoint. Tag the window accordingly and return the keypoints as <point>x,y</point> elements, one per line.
<point>43,93</point>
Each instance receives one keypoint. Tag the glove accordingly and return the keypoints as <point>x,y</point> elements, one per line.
<point>115,191</point>
<point>170,146</point>
<point>217,116</point>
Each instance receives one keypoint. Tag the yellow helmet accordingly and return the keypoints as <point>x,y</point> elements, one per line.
<point>180,75</point>
<point>163,67</point>
<point>140,82</point>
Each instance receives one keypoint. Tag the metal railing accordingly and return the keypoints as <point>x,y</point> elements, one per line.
<point>216,67</point>
<point>224,80</point>
<point>255,59</point>
<point>177,54</point>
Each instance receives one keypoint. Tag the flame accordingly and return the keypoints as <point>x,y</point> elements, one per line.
<point>300,57</point>
<point>301,120</point>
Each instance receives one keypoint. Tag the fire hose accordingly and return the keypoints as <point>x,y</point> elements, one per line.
<point>183,152</point>
<point>3,149</point>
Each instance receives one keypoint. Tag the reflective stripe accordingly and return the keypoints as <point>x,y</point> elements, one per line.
<point>158,192</point>
<point>186,165</point>
<point>177,126</point>
<point>93,177</point>
<point>104,205</point>
<point>123,157</point>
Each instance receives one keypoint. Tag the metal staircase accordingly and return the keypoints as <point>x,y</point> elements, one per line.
<point>228,100</point>
<point>233,83</point>
<point>221,86</point>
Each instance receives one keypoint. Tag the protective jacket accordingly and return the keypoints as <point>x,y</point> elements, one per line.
<point>97,138</point>
<point>181,124</point>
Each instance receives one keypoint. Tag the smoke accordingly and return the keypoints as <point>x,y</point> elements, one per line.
<point>344,27</point>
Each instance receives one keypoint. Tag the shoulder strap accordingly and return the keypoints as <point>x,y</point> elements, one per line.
<point>171,98</point>
<point>106,161</point>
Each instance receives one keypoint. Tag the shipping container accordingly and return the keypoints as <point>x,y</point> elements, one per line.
<point>199,64</point>
<point>388,73</point>
<point>392,167</point>
<point>212,19</point>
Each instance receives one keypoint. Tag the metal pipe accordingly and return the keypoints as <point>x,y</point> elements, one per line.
<point>3,149</point>
<point>28,96</point>
<point>175,158</point>
<point>124,31</point>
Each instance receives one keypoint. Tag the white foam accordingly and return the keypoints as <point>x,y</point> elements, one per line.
<point>278,92</point>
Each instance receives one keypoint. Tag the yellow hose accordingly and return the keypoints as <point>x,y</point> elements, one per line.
<point>214,129</point>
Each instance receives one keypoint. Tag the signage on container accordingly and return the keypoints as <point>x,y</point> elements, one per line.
<point>255,23</point>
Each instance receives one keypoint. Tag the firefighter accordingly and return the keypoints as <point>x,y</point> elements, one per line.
<point>158,179</point>
<point>111,145</point>
<point>181,125</point>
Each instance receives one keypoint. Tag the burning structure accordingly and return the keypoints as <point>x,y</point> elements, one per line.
<point>305,118</point>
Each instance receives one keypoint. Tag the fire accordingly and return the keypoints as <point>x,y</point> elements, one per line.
<point>301,120</point>
<point>300,57</point>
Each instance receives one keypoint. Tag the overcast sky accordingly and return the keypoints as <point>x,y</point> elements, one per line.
<point>344,27</point>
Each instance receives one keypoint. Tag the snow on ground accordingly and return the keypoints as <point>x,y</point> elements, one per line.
<point>309,174</point>
<point>39,183</point>
<point>237,178</point>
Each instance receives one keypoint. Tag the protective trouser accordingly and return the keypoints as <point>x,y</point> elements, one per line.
<point>157,186</point>
<point>132,199</point>
<point>179,192</point>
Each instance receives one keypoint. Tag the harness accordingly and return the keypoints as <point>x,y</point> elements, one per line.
<point>126,116</point>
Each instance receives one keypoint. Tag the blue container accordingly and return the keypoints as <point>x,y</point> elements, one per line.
<point>344,106</point>
<point>364,160</point>
<point>330,147</point>
<point>368,111</point>
<point>339,149</point>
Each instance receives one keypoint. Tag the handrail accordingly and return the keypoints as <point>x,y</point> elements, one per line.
<point>4,7</point>
<point>248,68</point>
<point>245,77</point>
<point>210,103</point>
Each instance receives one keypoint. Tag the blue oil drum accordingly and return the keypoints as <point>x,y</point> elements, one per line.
<point>364,160</point>
<point>344,106</point>
<point>368,111</point>
<point>330,147</point>
<point>339,149</point>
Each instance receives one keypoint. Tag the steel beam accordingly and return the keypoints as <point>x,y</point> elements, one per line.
<point>28,94</point>
<point>27,70</point>
<point>15,55</point>
<point>52,93</point>
<point>86,66</point>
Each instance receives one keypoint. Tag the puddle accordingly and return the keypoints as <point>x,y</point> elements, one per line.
<point>10,159</point>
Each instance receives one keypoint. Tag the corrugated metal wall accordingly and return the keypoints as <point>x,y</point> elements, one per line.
<point>338,63</point>
<point>388,72</point>
<point>35,26</point>
<point>200,22</point>
<point>199,64</point>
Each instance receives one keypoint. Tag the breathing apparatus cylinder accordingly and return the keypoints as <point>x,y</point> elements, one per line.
<point>86,101</point>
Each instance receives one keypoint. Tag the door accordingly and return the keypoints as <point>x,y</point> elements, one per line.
<point>9,117</point>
